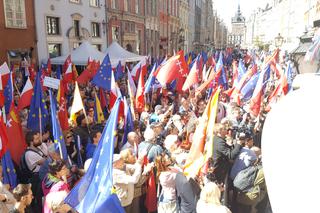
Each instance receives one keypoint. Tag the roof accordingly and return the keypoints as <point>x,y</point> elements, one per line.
<point>302,48</point>
<point>80,55</point>
<point>116,52</point>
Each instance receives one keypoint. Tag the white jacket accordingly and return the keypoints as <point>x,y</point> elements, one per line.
<point>124,181</point>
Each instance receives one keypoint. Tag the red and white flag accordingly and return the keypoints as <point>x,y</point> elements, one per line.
<point>26,95</point>
<point>4,71</point>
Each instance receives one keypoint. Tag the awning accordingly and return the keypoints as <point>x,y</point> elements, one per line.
<point>302,48</point>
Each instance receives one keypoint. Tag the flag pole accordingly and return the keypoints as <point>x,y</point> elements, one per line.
<point>40,124</point>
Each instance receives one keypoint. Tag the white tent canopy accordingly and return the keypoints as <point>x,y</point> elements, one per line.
<point>116,52</point>
<point>80,55</point>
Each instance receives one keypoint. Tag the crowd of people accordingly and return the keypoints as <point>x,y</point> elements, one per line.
<point>158,148</point>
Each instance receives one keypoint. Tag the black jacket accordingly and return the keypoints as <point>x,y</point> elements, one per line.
<point>223,156</point>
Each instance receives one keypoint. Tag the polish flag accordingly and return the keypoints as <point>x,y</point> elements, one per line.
<point>140,94</point>
<point>4,71</point>
<point>26,95</point>
<point>135,72</point>
<point>193,77</point>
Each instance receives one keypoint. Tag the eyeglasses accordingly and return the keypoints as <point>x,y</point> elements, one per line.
<point>69,136</point>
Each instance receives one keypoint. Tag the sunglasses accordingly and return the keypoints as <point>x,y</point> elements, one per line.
<point>69,136</point>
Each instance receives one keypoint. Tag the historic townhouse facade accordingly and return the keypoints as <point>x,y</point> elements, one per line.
<point>152,28</point>
<point>18,37</point>
<point>63,25</point>
<point>126,24</point>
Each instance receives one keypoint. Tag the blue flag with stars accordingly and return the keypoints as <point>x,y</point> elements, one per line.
<point>152,82</point>
<point>9,173</point>
<point>8,94</point>
<point>119,72</point>
<point>56,129</point>
<point>38,108</point>
<point>248,88</point>
<point>93,192</point>
<point>102,78</point>
<point>128,123</point>
<point>58,72</point>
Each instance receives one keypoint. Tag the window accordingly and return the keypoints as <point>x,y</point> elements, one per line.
<point>75,1</point>
<point>137,6</point>
<point>54,50</point>
<point>94,3</point>
<point>76,26</point>
<point>132,28</point>
<point>114,4</point>
<point>15,14</point>
<point>115,33</point>
<point>95,27</point>
<point>97,46</point>
<point>53,25</point>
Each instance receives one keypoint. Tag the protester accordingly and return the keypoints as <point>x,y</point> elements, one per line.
<point>7,200</point>
<point>23,195</point>
<point>210,200</point>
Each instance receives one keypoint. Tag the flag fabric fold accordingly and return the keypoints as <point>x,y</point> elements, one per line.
<point>38,116</point>
<point>102,78</point>
<point>8,170</point>
<point>93,192</point>
<point>26,95</point>
<point>56,129</point>
<point>77,104</point>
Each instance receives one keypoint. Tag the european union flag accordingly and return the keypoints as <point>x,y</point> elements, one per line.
<point>93,192</point>
<point>56,129</point>
<point>119,72</point>
<point>9,173</point>
<point>204,57</point>
<point>58,72</point>
<point>38,108</point>
<point>152,82</point>
<point>103,76</point>
<point>8,94</point>
<point>248,88</point>
<point>241,70</point>
<point>128,123</point>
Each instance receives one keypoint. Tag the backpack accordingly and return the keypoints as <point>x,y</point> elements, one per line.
<point>244,180</point>
<point>25,174</point>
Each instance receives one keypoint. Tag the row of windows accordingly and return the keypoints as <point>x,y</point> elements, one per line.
<point>94,3</point>
<point>127,6</point>
<point>55,50</point>
<point>53,27</point>
<point>15,14</point>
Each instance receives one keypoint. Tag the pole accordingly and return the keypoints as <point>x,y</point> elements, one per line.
<point>40,124</point>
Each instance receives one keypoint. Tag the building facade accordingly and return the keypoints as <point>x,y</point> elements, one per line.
<point>174,29</point>
<point>17,31</point>
<point>126,24</point>
<point>63,25</point>
<point>238,31</point>
<point>184,25</point>
<point>284,17</point>
<point>152,28</point>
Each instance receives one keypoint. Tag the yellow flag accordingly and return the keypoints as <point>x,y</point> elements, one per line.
<point>98,110</point>
<point>77,104</point>
<point>202,145</point>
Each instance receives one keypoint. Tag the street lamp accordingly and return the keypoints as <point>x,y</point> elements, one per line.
<point>278,41</point>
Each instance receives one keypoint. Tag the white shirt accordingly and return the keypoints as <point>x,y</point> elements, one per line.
<point>124,182</point>
<point>32,157</point>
